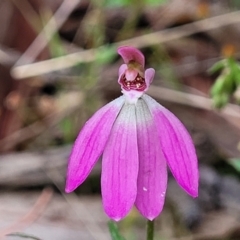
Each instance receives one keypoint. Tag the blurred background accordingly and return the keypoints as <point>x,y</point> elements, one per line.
<point>58,65</point>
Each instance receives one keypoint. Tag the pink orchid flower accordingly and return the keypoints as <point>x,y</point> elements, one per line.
<point>137,138</point>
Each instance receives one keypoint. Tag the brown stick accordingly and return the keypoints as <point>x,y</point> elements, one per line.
<point>43,67</point>
<point>48,31</point>
<point>33,214</point>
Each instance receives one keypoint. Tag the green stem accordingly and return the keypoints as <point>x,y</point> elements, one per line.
<point>150,230</point>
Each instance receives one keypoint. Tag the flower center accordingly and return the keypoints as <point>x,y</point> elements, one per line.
<point>137,84</point>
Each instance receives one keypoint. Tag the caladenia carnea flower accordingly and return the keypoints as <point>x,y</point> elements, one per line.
<point>137,138</point>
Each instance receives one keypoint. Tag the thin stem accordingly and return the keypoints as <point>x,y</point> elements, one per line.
<point>150,230</point>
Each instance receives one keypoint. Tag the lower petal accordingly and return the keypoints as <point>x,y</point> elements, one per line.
<point>152,177</point>
<point>90,143</point>
<point>120,165</point>
<point>177,146</point>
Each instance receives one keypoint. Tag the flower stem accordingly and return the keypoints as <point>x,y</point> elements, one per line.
<point>150,230</point>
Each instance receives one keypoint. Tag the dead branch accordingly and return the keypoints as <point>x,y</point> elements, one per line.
<point>48,31</point>
<point>32,215</point>
<point>43,67</point>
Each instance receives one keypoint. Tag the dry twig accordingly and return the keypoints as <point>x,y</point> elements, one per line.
<point>32,215</point>
<point>48,31</point>
<point>43,67</point>
<point>230,112</point>
<point>192,100</point>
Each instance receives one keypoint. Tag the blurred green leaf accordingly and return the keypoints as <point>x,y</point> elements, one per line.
<point>121,3</point>
<point>235,4</point>
<point>236,73</point>
<point>218,66</point>
<point>105,54</point>
<point>218,86</point>
<point>56,46</point>
<point>114,231</point>
<point>220,100</point>
<point>155,2</point>
<point>237,78</point>
<point>235,162</point>
<point>23,235</point>
<point>67,128</point>
<point>227,82</point>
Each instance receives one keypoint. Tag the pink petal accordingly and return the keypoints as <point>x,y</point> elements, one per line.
<point>152,177</point>
<point>90,143</point>
<point>131,54</point>
<point>120,165</point>
<point>149,75</point>
<point>122,70</point>
<point>177,147</point>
